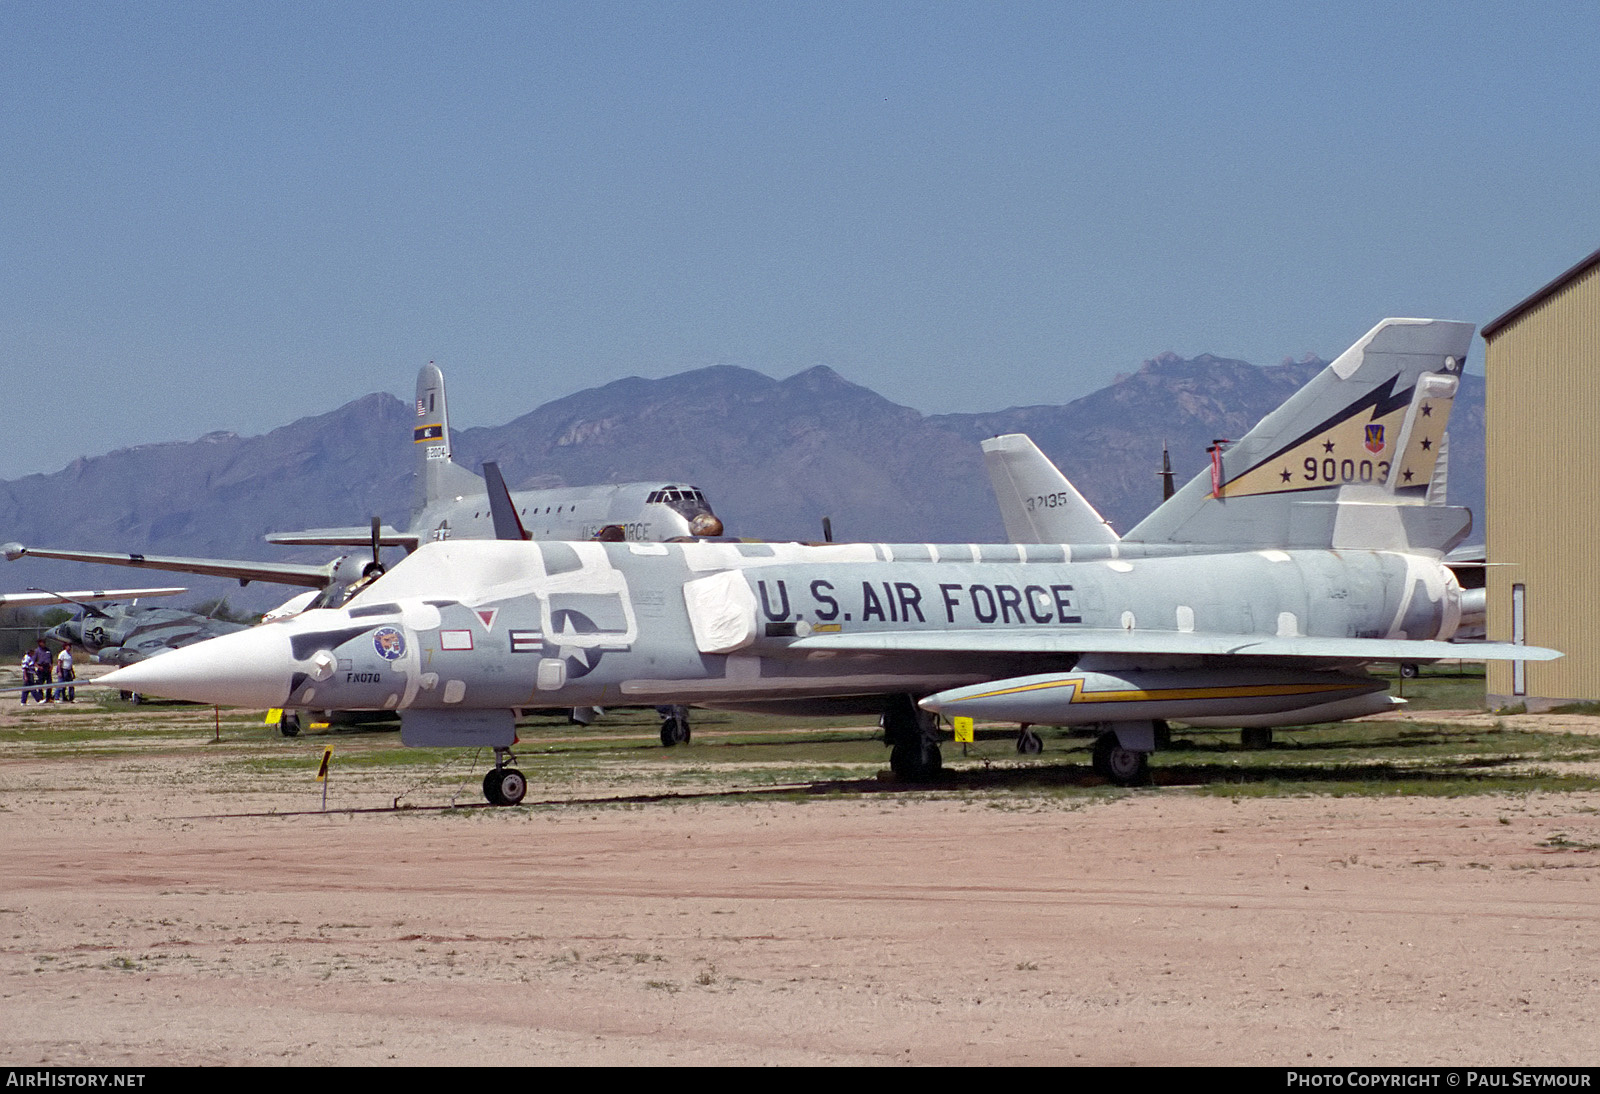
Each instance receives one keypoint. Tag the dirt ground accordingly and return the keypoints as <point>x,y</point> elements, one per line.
<point>137,926</point>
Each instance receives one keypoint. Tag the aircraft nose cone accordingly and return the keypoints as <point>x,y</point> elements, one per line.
<point>250,668</point>
<point>705,524</point>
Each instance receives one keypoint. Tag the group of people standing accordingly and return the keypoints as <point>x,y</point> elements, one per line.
<point>39,668</point>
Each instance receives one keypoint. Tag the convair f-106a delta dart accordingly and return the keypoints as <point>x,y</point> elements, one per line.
<point>1253,597</point>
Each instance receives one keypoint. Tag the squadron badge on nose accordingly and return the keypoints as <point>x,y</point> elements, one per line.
<point>390,644</point>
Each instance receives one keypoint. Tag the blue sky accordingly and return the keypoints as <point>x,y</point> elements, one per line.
<point>227,216</point>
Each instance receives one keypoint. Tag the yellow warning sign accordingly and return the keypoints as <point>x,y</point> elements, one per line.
<point>963,728</point>
<point>327,762</point>
<point>274,716</point>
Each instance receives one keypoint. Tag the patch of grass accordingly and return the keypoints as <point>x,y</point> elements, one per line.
<point>1447,685</point>
<point>619,763</point>
<point>1563,842</point>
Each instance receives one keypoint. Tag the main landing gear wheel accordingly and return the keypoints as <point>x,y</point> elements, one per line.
<point>1255,737</point>
<point>911,734</point>
<point>916,761</point>
<point>289,724</point>
<point>1029,743</point>
<point>1123,766</point>
<point>675,730</point>
<point>504,786</point>
<point>1408,670</point>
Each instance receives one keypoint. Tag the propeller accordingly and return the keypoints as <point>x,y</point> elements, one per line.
<point>376,565</point>
<point>347,572</point>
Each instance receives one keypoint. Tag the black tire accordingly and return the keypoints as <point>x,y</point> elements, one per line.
<point>1409,670</point>
<point>1029,743</point>
<point>1255,737</point>
<point>916,761</point>
<point>674,731</point>
<point>1122,766</point>
<point>491,787</point>
<point>289,724</point>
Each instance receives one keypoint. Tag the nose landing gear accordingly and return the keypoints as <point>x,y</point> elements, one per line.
<point>504,785</point>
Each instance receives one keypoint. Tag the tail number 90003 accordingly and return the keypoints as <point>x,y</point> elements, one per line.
<point>1329,469</point>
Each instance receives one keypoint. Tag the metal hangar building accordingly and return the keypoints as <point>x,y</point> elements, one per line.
<point>1542,407</point>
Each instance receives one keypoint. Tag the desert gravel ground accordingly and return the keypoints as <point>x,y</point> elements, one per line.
<point>141,924</point>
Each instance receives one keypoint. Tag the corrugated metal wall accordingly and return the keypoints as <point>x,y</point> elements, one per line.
<point>1543,405</point>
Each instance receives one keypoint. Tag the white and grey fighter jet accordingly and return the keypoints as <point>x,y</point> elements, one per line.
<point>1259,591</point>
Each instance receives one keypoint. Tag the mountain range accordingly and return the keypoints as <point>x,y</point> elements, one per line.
<point>773,456</point>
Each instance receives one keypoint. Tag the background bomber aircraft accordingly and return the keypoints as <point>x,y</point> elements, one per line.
<point>1254,596</point>
<point>451,502</point>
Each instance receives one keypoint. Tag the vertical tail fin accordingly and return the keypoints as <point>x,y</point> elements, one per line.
<point>438,478</point>
<point>1345,462</point>
<point>1037,502</point>
<point>507,525</point>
